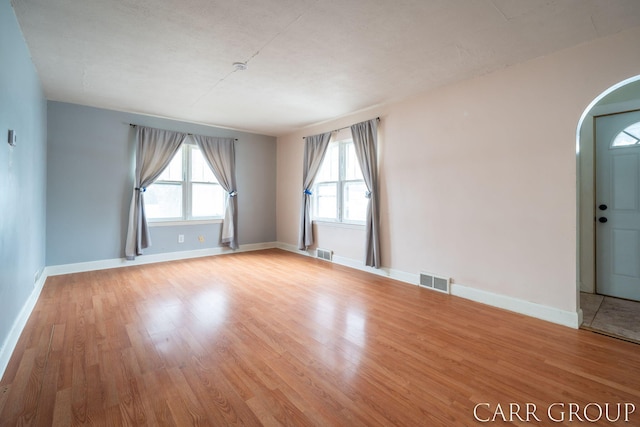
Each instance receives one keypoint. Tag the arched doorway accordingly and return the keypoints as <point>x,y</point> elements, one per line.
<point>620,99</point>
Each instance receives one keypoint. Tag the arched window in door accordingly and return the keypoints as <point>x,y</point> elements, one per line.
<point>628,136</point>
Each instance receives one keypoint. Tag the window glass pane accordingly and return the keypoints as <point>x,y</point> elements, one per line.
<point>326,201</point>
<point>623,140</point>
<point>634,130</point>
<point>163,201</point>
<point>207,200</point>
<point>351,165</point>
<point>629,136</point>
<point>355,201</point>
<point>173,172</point>
<point>200,170</point>
<point>330,169</point>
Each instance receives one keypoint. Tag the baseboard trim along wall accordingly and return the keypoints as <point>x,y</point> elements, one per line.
<point>57,270</point>
<point>18,325</point>
<point>539,311</point>
<point>544,312</point>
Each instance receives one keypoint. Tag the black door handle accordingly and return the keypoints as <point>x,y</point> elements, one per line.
<point>602,219</point>
<point>602,207</point>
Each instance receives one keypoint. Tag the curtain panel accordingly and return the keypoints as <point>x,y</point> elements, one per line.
<point>154,150</point>
<point>314,150</point>
<point>220,154</point>
<point>365,141</point>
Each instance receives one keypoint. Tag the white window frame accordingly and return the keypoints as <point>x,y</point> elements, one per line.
<point>186,183</point>
<point>340,183</point>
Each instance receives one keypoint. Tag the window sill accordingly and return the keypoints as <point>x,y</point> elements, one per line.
<point>174,223</point>
<point>335,224</point>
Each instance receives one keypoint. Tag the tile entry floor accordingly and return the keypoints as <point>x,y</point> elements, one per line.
<point>612,316</point>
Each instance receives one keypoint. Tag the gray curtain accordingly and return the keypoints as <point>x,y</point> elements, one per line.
<point>154,150</point>
<point>220,154</point>
<point>365,141</point>
<point>314,150</point>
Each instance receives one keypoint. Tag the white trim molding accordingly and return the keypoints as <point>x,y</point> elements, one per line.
<point>401,276</point>
<point>539,311</point>
<point>20,322</point>
<point>151,259</point>
<point>580,317</point>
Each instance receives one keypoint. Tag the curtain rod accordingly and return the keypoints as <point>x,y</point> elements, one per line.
<point>133,125</point>
<point>336,130</point>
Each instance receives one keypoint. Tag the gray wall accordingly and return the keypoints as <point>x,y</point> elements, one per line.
<point>90,178</point>
<point>22,172</point>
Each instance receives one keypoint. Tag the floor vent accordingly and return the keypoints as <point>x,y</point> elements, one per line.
<point>324,254</point>
<point>437,283</point>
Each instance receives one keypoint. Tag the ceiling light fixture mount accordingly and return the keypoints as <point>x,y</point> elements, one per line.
<point>240,66</point>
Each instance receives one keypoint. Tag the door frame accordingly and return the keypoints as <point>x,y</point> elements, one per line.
<point>603,233</point>
<point>585,184</point>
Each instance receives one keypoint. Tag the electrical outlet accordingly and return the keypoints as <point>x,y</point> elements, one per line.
<point>201,239</point>
<point>180,238</point>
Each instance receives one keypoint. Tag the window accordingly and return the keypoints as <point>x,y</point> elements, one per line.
<point>629,136</point>
<point>339,193</point>
<point>186,190</point>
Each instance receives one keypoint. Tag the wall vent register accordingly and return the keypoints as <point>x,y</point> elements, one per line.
<point>436,283</point>
<point>324,254</point>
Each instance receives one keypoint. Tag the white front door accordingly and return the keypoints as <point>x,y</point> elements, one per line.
<point>618,205</point>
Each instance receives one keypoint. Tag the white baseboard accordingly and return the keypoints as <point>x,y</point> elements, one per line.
<point>56,270</point>
<point>401,276</point>
<point>391,273</point>
<point>292,248</point>
<point>539,311</point>
<point>544,312</point>
<point>18,325</point>
<point>580,317</point>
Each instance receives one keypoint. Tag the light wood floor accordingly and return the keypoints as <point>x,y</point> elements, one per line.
<point>274,338</point>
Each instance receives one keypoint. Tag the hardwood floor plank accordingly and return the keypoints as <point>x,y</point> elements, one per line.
<point>133,408</point>
<point>107,368</point>
<point>273,338</point>
<point>18,394</point>
<point>146,355</point>
<point>320,396</point>
<point>46,398</point>
<point>157,397</point>
<point>284,411</point>
<point>4,394</point>
<point>217,396</point>
<point>184,404</point>
<point>262,412</point>
<point>62,408</point>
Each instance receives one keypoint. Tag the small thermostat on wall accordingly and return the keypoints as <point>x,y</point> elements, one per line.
<point>13,138</point>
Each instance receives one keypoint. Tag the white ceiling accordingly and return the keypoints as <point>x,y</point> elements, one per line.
<point>308,60</point>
